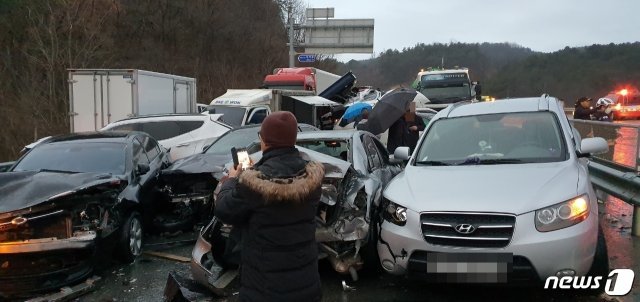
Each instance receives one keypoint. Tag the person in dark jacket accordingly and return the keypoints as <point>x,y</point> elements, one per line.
<point>274,203</point>
<point>609,133</point>
<point>583,111</point>
<point>405,132</point>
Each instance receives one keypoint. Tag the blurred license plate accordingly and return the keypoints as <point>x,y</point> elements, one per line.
<point>469,267</point>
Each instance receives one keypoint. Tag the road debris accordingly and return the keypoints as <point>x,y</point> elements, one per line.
<point>179,289</point>
<point>168,256</point>
<point>67,293</point>
<point>346,287</point>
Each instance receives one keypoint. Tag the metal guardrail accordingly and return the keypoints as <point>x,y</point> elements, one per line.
<point>623,139</point>
<point>620,183</point>
<point>616,172</point>
<point>4,167</point>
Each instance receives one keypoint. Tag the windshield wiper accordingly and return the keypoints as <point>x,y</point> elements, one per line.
<point>497,161</point>
<point>432,163</point>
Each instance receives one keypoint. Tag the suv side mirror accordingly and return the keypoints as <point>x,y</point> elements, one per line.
<point>401,153</point>
<point>593,145</point>
<point>142,169</point>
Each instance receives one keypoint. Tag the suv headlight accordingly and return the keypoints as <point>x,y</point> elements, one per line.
<point>395,214</point>
<point>562,215</point>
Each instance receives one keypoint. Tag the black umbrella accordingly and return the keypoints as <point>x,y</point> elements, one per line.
<point>388,110</point>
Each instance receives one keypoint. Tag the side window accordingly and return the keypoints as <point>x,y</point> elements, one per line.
<point>258,116</point>
<point>375,162</point>
<point>188,126</point>
<point>384,155</point>
<point>162,130</point>
<point>126,127</point>
<point>150,147</point>
<point>139,156</point>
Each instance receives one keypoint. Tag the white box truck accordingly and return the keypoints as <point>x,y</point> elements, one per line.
<point>98,97</point>
<point>241,107</point>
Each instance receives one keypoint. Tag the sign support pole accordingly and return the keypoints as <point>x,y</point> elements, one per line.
<point>291,52</point>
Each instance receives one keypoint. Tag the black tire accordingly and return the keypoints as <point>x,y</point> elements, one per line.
<point>130,243</point>
<point>369,254</point>
<point>599,267</point>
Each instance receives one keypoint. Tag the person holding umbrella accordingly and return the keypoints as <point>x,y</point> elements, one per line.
<point>406,130</point>
<point>394,112</point>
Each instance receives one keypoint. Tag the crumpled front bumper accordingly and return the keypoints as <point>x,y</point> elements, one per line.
<point>41,265</point>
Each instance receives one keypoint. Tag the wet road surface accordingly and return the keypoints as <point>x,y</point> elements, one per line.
<point>145,280</point>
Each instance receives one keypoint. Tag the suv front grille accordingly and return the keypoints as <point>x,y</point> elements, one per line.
<point>489,230</point>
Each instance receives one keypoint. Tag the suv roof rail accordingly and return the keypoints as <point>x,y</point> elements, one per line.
<point>456,105</point>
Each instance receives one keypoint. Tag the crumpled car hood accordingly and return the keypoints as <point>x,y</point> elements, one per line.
<point>198,163</point>
<point>333,167</point>
<point>20,190</point>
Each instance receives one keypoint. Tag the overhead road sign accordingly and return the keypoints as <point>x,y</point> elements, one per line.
<point>306,58</point>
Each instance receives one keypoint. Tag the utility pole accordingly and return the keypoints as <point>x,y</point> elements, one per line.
<point>292,54</point>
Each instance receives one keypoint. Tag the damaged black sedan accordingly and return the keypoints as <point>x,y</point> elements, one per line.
<point>72,198</point>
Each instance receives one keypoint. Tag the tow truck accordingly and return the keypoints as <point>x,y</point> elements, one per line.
<point>443,87</point>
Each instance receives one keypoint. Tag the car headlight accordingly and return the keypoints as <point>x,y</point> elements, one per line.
<point>329,194</point>
<point>395,214</point>
<point>562,215</point>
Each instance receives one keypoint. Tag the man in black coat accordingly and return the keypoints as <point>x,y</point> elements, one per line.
<point>274,203</point>
<point>583,110</point>
<point>405,132</point>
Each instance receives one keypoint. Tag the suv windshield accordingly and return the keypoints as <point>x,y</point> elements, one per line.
<point>240,138</point>
<point>77,156</point>
<point>506,138</point>
<point>445,88</point>
<point>232,115</point>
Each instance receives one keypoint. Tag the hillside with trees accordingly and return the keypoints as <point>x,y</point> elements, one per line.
<point>509,70</point>
<point>212,41</point>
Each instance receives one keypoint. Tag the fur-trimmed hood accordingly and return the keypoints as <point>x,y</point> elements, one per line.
<point>293,189</point>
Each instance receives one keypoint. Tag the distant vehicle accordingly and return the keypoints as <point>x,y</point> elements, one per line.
<point>357,167</point>
<point>98,97</point>
<point>501,183</point>
<point>365,94</point>
<point>183,135</point>
<point>627,103</point>
<point>341,90</point>
<point>240,107</point>
<point>300,78</point>
<point>72,195</point>
<point>445,86</point>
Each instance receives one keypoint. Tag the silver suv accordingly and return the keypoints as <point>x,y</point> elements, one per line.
<point>494,192</point>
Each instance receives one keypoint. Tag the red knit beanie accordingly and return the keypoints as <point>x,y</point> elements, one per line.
<point>279,130</point>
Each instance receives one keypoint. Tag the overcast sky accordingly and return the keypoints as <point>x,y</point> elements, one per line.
<point>542,25</point>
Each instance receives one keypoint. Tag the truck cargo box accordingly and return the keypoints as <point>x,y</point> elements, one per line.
<point>98,97</point>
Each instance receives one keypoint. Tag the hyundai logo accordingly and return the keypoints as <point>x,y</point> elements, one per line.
<point>465,228</point>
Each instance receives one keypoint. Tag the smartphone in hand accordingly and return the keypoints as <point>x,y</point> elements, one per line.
<point>240,158</point>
